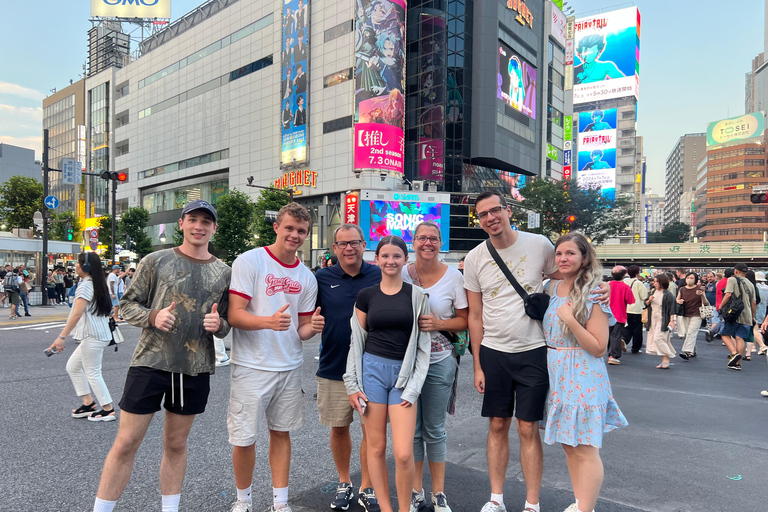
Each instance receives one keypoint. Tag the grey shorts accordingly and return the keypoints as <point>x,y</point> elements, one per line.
<point>259,398</point>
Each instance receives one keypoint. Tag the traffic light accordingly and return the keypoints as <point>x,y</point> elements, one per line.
<point>128,242</point>
<point>570,219</point>
<point>70,233</point>
<point>759,197</point>
<point>114,176</point>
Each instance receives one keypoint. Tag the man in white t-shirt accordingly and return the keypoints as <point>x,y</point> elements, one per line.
<point>272,309</point>
<point>113,281</point>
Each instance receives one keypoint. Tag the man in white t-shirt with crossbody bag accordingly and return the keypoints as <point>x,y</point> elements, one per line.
<point>508,347</point>
<point>272,309</point>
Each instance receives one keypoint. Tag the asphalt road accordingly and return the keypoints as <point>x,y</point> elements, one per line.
<point>696,440</point>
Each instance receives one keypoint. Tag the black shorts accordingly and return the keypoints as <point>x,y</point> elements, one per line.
<point>521,377</point>
<point>146,387</point>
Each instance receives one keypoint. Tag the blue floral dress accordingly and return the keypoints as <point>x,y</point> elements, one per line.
<point>580,404</point>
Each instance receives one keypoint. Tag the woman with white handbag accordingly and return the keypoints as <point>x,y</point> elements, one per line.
<point>690,299</point>
<point>89,322</point>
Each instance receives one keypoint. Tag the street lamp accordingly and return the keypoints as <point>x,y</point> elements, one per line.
<point>162,237</point>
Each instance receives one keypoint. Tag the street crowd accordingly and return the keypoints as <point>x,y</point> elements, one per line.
<point>538,320</point>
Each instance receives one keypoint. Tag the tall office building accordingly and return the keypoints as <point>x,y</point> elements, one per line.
<point>18,161</point>
<point>680,176</point>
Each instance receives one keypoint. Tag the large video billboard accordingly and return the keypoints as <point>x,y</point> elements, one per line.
<point>516,81</point>
<point>607,56</point>
<point>294,84</point>
<point>432,90</point>
<point>379,85</point>
<point>597,150</point>
<point>131,8</point>
<point>735,129</point>
<point>400,213</point>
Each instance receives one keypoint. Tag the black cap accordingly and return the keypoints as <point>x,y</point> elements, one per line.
<point>741,267</point>
<point>200,205</point>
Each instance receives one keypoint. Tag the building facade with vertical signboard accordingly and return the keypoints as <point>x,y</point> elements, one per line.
<point>335,101</point>
<point>606,78</point>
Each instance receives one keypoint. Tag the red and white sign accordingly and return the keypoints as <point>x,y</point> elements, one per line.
<point>352,208</point>
<point>567,172</point>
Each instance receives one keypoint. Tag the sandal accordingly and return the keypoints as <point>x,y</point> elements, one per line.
<point>747,358</point>
<point>84,411</point>
<point>663,366</point>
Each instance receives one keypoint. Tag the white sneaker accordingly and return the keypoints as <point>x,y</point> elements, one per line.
<point>764,392</point>
<point>241,506</point>
<point>493,507</point>
<point>283,508</point>
<point>417,501</point>
<point>571,508</point>
<point>223,362</point>
<point>440,502</point>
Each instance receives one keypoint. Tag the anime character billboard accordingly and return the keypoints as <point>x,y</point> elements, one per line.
<point>379,85</point>
<point>607,56</point>
<point>294,83</point>
<point>516,81</point>
<point>432,91</point>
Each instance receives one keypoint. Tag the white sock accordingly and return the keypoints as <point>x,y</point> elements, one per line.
<point>498,498</point>
<point>279,497</point>
<point>171,502</point>
<point>103,505</point>
<point>245,494</point>
<point>531,505</point>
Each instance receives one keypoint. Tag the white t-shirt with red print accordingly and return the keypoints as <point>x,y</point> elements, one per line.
<point>270,284</point>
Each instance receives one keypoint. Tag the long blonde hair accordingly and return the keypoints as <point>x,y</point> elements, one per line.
<point>587,279</point>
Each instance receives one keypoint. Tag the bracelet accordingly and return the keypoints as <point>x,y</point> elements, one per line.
<point>62,337</point>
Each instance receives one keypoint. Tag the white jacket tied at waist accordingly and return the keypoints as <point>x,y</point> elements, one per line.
<point>415,363</point>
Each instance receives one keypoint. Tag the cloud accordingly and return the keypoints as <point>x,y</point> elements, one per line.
<point>35,113</point>
<point>33,142</point>
<point>20,91</point>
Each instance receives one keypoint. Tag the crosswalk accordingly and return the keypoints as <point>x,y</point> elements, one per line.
<point>34,327</point>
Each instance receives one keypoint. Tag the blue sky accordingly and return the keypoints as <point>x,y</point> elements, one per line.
<point>693,57</point>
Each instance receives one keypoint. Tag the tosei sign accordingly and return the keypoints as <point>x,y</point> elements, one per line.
<point>735,128</point>
<point>131,8</point>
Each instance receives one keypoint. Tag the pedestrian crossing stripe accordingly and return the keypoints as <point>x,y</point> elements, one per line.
<point>36,327</point>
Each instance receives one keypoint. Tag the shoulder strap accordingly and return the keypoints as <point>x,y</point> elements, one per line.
<point>413,274</point>
<point>503,267</point>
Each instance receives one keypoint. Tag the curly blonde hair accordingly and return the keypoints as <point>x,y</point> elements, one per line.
<point>590,276</point>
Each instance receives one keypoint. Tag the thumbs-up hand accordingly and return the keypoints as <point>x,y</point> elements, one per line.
<point>212,321</point>
<point>318,321</point>
<point>165,318</point>
<point>281,320</point>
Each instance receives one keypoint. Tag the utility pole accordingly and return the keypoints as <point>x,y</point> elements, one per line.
<point>288,192</point>
<point>44,256</point>
<point>114,218</point>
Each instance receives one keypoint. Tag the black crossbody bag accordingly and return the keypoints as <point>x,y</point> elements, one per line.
<point>536,304</point>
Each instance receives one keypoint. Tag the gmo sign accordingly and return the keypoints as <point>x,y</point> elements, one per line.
<point>131,8</point>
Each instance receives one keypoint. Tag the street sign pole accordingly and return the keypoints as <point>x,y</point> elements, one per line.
<point>44,256</point>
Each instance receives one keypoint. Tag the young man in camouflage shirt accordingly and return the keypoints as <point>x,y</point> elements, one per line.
<point>180,297</point>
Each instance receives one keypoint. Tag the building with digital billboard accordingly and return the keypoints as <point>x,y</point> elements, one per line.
<point>605,82</point>
<point>330,100</point>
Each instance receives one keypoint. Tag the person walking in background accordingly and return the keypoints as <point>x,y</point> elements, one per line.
<point>3,272</point>
<point>762,289</point>
<point>11,286</point>
<point>113,281</point>
<point>752,338</point>
<point>661,304</point>
<point>691,297</point>
<point>621,297</point>
<point>634,331</point>
<point>711,293</point>
<point>24,288</point>
<point>736,330</point>
<point>387,365</point>
<point>88,323</point>
<point>444,286</point>
<point>337,290</point>
<point>51,288</point>
<point>580,403</point>
<point>58,278</point>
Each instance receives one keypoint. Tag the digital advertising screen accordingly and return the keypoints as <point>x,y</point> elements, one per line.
<point>432,90</point>
<point>607,56</point>
<point>597,150</point>
<point>516,81</point>
<point>294,83</point>
<point>379,142</point>
<point>383,218</point>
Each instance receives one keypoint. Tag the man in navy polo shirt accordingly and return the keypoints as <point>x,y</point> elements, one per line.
<point>337,289</point>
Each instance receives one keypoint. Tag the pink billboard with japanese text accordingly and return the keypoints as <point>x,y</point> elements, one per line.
<point>379,85</point>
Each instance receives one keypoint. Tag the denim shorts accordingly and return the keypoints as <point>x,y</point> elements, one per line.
<point>735,329</point>
<point>379,378</point>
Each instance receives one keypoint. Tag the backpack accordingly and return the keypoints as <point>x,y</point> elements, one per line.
<point>735,305</point>
<point>11,282</point>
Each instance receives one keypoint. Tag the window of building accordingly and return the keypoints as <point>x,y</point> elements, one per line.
<point>337,78</point>
<point>121,90</point>
<point>122,148</point>
<point>184,164</point>
<point>339,30</point>
<point>337,124</point>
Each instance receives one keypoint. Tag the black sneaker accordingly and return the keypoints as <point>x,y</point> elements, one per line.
<point>736,367</point>
<point>734,361</point>
<point>343,497</point>
<point>708,336</point>
<point>368,500</point>
<point>684,356</point>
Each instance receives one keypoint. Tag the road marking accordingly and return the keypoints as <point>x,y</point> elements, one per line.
<point>33,326</point>
<point>62,324</point>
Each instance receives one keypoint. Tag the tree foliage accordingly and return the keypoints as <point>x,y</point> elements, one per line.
<point>671,234</point>
<point>596,216</point>
<point>58,230</point>
<point>133,223</point>
<point>234,234</point>
<point>178,235</point>
<point>105,235</point>
<point>269,200</point>
<point>20,197</point>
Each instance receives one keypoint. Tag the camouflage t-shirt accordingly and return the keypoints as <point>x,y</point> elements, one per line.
<point>168,276</point>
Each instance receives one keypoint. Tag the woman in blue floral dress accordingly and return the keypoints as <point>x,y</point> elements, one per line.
<point>580,404</point>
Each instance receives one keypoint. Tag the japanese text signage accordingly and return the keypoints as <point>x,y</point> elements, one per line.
<point>558,25</point>
<point>379,142</point>
<point>735,128</point>
<point>607,53</point>
<point>352,208</point>
<point>71,171</point>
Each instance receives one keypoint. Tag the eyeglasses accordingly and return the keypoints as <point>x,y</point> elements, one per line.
<point>493,211</point>
<point>424,238</point>
<point>354,243</point>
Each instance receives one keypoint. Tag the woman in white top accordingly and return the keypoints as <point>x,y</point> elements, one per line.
<point>89,322</point>
<point>448,306</point>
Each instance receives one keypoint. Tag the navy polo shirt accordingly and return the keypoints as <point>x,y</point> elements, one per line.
<point>336,295</point>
